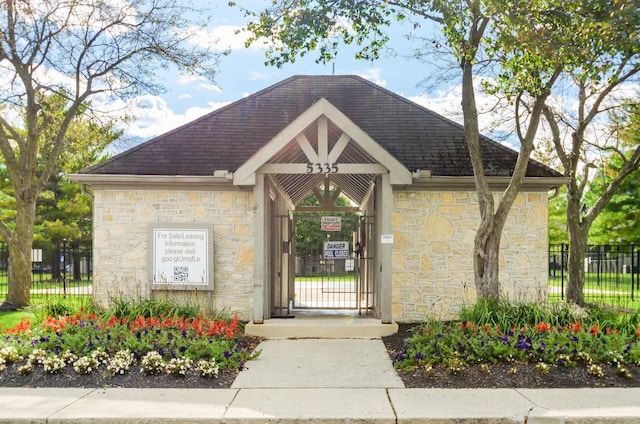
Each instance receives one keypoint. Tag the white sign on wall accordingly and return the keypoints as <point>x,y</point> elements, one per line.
<point>349,265</point>
<point>182,257</point>
<point>36,255</point>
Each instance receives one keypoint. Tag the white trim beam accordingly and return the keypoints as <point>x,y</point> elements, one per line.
<point>244,174</point>
<point>323,139</point>
<point>339,147</point>
<point>343,168</point>
<point>307,148</point>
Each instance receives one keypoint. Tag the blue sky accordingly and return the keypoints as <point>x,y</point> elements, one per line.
<point>243,72</point>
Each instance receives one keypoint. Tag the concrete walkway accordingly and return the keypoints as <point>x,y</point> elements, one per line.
<point>320,363</point>
<point>326,381</point>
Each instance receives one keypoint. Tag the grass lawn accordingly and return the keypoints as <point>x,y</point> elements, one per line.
<point>603,289</point>
<point>620,283</point>
<point>11,319</point>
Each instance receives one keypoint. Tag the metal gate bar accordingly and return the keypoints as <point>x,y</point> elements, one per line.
<point>322,283</point>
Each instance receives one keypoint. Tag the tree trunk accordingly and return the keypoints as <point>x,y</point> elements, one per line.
<point>575,277</point>
<point>486,264</point>
<point>487,239</point>
<point>577,231</point>
<point>20,256</point>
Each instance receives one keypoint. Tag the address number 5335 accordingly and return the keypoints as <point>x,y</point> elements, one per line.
<point>322,168</point>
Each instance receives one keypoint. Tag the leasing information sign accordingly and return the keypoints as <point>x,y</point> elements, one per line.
<point>336,250</point>
<point>182,257</point>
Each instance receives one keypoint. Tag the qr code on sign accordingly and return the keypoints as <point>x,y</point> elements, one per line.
<point>180,274</point>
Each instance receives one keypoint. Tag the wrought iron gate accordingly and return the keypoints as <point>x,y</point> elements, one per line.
<point>324,268</point>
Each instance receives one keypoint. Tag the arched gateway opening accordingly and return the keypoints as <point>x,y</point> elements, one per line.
<point>326,261</point>
<point>324,154</point>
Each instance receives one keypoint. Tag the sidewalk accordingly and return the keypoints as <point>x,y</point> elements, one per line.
<point>315,380</point>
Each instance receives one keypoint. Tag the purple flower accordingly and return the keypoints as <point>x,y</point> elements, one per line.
<point>418,356</point>
<point>542,347</point>
<point>524,342</point>
<point>227,354</point>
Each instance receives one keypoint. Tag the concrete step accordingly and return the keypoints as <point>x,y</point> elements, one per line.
<point>322,327</point>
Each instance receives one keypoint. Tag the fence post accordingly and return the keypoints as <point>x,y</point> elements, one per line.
<point>633,270</point>
<point>562,271</point>
<point>64,267</point>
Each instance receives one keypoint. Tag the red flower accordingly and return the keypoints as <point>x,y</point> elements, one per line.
<point>594,330</point>
<point>542,327</point>
<point>576,327</point>
<point>467,325</point>
<point>112,321</point>
<point>23,327</point>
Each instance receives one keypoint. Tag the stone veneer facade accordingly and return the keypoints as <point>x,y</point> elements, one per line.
<point>432,252</point>
<point>432,261</point>
<point>121,237</point>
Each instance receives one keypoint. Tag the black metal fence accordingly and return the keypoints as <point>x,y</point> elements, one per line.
<point>611,273</point>
<point>57,268</point>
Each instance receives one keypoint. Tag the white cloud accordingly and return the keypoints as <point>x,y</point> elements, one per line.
<point>495,118</point>
<point>259,76</point>
<point>223,37</point>
<point>200,81</point>
<point>373,75</point>
<point>445,103</point>
<point>152,116</point>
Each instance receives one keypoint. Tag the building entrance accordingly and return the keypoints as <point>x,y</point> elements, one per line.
<point>327,265</point>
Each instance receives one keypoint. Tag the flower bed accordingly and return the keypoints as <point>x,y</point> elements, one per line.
<point>457,345</point>
<point>157,345</point>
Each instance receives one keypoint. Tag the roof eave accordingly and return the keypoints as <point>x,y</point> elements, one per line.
<point>495,183</point>
<point>190,182</point>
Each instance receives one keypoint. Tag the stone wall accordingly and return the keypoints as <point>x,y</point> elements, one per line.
<point>433,245</point>
<point>121,237</point>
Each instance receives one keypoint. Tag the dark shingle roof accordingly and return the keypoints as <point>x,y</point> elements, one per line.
<point>225,138</point>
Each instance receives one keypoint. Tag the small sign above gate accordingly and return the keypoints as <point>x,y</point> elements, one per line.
<point>331,223</point>
<point>336,249</point>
